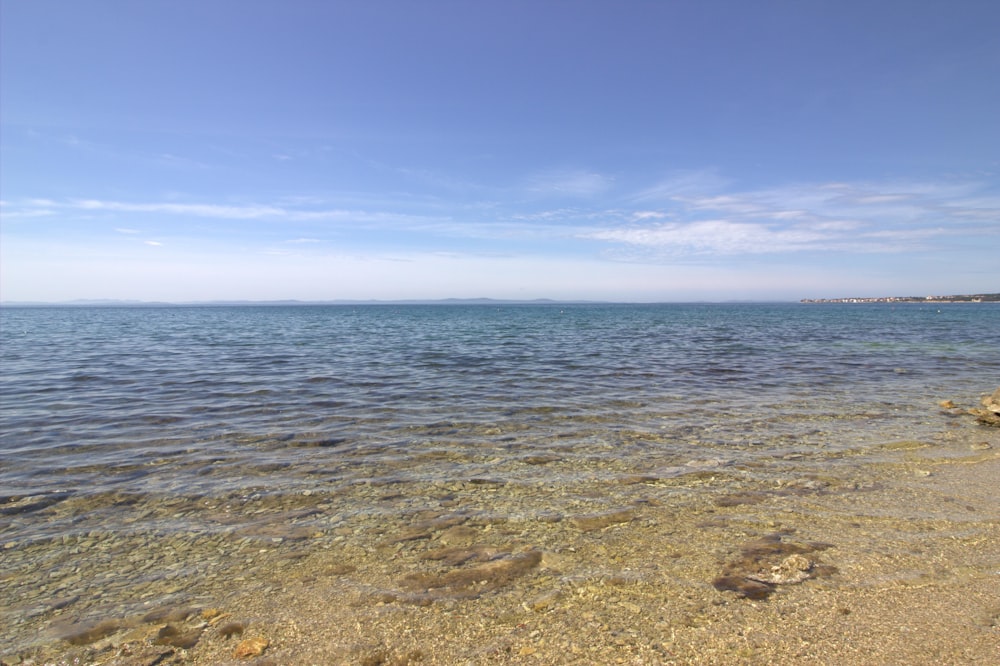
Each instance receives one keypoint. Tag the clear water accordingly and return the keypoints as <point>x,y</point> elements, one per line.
<point>215,399</point>
<point>153,456</point>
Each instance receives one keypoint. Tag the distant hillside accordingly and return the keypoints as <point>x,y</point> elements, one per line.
<point>151,304</point>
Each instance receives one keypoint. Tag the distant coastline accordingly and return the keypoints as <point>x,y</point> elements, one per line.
<point>960,298</point>
<point>288,302</point>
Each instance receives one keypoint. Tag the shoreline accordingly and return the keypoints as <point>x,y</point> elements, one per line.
<point>901,542</point>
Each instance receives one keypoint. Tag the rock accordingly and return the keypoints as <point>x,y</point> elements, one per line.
<point>992,402</point>
<point>544,601</point>
<point>634,479</point>
<point>793,569</point>
<point>990,414</point>
<point>169,614</point>
<point>748,588</point>
<point>540,459</point>
<point>231,629</point>
<point>412,534</point>
<point>458,555</point>
<point>740,498</point>
<point>946,404</point>
<point>210,614</point>
<point>251,647</point>
<point>470,582</point>
<point>458,534</point>
<point>709,463</point>
<point>425,529</point>
<point>768,562</point>
<point>598,521</point>
<point>171,636</point>
<point>85,634</point>
<point>986,417</point>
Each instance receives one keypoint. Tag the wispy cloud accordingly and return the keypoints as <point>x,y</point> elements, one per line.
<point>15,213</point>
<point>856,217</point>
<point>648,215</point>
<point>195,210</point>
<point>287,211</point>
<point>680,183</point>
<point>717,237</point>
<point>692,214</point>
<point>569,183</point>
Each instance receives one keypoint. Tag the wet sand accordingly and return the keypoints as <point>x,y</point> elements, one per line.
<point>883,555</point>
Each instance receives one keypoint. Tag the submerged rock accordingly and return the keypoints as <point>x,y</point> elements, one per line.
<point>992,402</point>
<point>793,569</point>
<point>91,632</point>
<point>544,601</point>
<point>231,629</point>
<point>598,521</point>
<point>748,588</point>
<point>990,414</point>
<point>768,562</point>
<point>172,636</point>
<point>251,647</point>
<point>492,571</point>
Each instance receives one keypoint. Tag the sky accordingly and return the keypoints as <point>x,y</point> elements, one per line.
<point>622,150</point>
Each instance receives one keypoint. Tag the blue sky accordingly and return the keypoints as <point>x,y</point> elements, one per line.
<point>614,150</point>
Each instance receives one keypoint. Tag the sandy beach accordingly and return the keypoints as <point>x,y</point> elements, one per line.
<point>883,555</point>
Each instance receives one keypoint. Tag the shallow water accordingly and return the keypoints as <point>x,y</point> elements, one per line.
<point>208,400</point>
<point>153,456</point>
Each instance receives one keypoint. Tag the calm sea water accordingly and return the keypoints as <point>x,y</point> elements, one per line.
<point>155,457</point>
<point>215,399</point>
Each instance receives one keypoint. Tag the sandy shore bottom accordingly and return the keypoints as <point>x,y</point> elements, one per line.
<point>889,555</point>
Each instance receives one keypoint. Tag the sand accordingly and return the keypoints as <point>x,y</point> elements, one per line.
<point>898,553</point>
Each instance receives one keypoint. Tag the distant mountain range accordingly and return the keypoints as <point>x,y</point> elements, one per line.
<point>149,304</point>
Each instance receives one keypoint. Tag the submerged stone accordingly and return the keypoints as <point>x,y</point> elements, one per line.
<point>169,614</point>
<point>598,521</point>
<point>171,636</point>
<point>474,580</point>
<point>91,632</point>
<point>768,562</point>
<point>231,629</point>
<point>990,413</point>
<point>251,647</point>
<point>747,588</point>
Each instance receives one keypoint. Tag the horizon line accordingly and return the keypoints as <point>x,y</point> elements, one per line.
<point>109,302</point>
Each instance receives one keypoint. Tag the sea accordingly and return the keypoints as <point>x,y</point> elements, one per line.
<point>134,441</point>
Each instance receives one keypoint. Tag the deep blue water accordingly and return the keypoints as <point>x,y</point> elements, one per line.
<point>204,400</point>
